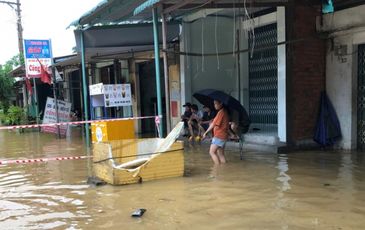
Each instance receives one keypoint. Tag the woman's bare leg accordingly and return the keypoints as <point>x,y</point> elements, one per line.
<point>222,158</point>
<point>213,153</point>
<point>190,124</point>
<point>201,130</point>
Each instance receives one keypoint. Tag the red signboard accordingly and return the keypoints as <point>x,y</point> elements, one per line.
<point>174,110</point>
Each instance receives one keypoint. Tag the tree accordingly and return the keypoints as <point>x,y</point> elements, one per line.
<point>6,81</point>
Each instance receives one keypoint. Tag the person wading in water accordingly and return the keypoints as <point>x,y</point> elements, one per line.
<point>220,127</point>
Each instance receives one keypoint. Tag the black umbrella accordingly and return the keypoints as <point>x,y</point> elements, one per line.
<point>207,96</point>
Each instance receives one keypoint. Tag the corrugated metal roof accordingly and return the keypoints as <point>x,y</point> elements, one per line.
<point>109,12</point>
<point>90,12</point>
<point>145,5</point>
<point>19,71</point>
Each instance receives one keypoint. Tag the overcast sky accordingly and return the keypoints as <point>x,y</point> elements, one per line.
<point>41,19</point>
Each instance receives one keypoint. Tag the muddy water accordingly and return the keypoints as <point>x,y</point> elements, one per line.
<point>307,190</point>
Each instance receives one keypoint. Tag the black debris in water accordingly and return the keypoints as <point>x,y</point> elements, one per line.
<point>139,212</point>
<point>95,181</point>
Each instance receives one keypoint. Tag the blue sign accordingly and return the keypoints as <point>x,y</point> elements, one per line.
<point>37,49</point>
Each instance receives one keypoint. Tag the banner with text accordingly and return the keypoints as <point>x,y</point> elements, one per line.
<point>111,95</point>
<point>37,52</point>
<point>117,95</point>
<point>64,112</point>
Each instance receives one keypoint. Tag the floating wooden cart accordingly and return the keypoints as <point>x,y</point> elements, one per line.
<point>135,160</point>
<point>112,130</point>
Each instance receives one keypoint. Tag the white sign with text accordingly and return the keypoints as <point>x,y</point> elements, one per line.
<point>64,112</point>
<point>117,95</point>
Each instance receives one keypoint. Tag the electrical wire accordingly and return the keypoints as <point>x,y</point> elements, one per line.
<point>234,27</point>
<point>186,43</point>
<point>197,7</point>
<point>216,41</point>
<point>260,48</point>
<point>250,30</point>
<point>203,45</point>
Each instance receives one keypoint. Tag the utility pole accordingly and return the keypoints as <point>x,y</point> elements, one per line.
<point>20,28</point>
<point>20,39</point>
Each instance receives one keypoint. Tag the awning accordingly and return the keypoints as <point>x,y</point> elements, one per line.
<point>109,12</point>
<point>123,35</point>
<point>116,42</point>
<point>19,71</point>
<point>145,5</point>
<point>112,12</point>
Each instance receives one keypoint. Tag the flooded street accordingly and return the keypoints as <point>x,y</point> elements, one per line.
<point>302,190</point>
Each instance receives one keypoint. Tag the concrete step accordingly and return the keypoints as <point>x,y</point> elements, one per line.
<point>250,146</point>
<point>256,142</point>
<point>260,147</point>
<point>261,138</point>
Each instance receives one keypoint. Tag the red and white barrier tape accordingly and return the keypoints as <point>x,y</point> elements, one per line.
<point>73,123</point>
<point>42,160</point>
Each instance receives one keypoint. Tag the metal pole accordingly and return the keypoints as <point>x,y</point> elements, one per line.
<point>238,59</point>
<point>56,101</point>
<point>157,68</point>
<point>35,97</point>
<point>166,73</point>
<point>84,86</point>
<point>116,77</point>
<point>54,90</point>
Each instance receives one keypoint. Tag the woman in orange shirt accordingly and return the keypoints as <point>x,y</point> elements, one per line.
<point>220,127</point>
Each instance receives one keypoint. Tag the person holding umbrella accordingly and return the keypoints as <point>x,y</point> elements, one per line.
<point>220,127</point>
<point>240,118</point>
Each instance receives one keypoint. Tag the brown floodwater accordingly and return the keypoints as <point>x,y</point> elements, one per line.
<point>301,190</point>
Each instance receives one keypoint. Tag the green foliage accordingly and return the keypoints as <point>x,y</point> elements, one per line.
<point>6,81</point>
<point>15,61</point>
<point>15,115</point>
<point>6,89</point>
<point>4,107</point>
<point>12,115</point>
<point>2,115</point>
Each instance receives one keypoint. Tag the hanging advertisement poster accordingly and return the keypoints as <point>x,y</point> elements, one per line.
<point>117,95</point>
<point>96,89</point>
<point>37,53</point>
<point>64,112</point>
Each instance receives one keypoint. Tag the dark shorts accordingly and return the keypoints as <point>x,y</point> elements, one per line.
<point>185,123</point>
<point>205,126</point>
